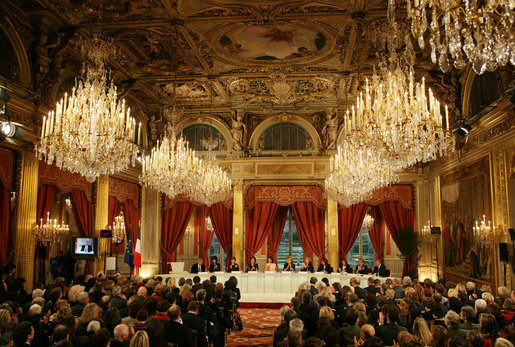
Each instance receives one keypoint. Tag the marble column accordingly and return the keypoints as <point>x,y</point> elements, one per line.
<point>101,219</point>
<point>150,232</point>
<point>24,244</point>
<point>332,230</point>
<point>238,220</point>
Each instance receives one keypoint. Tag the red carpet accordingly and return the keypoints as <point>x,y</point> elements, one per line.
<point>273,305</point>
<point>258,327</point>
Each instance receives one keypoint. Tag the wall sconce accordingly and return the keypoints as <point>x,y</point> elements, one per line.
<point>236,231</point>
<point>333,231</point>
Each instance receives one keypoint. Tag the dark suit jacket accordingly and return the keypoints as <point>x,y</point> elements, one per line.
<point>346,335</point>
<point>328,269</point>
<point>77,309</point>
<point>381,271</point>
<point>118,302</point>
<point>195,268</point>
<point>286,266</point>
<point>399,292</point>
<point>234,267</point>
<point>212,267</point>
<point>388,332</point>
<point>195,323</point>
<point>178,333</point>
<point>363,271</point>
<point>309,268</point>
<point>458,338</point>
<point>280,333</point>
<point>249,267</point>
<point>116,343</point>
<point>360,292</point>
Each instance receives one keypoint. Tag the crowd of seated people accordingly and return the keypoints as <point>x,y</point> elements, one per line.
<point>397,312</point>
<point>117,311</point>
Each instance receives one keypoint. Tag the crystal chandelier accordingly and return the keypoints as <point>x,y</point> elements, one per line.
<point>50,231</point>
<point>118,229</point>
<point>368,222</point>
<point>173,168</point>
<point>90,131</point>
<point>484,231</point>
<point>209,224</point>
<point>478,31</point>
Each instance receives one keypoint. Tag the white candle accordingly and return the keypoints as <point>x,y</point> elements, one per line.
<point>447,116</point>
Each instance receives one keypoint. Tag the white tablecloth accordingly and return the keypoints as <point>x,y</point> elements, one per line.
<point>272,283</point>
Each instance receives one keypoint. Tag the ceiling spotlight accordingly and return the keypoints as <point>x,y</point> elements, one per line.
<point>7,129</point>
<point>463,129</point>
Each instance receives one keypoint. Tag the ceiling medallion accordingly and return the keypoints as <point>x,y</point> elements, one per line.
<point>277,44</point>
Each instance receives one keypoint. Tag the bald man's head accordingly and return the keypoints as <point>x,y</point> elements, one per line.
<point>142,291</point>
<point>121,332</point>
<point>174,312</point>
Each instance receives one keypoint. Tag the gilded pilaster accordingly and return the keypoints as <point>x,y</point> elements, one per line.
<point>101,210</point>
<point>26,217</point>
<point>150,232</point>
<point>237,223</point>
<point>332,230</point>
<point>501,217</point>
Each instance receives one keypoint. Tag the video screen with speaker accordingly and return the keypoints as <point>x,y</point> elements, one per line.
<point>85,247</point>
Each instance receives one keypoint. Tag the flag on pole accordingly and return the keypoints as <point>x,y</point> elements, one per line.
<point>137,251</point>
<point>129,258</point>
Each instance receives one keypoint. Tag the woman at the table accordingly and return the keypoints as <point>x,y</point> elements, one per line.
<point>233,266</point>
<point>361,268</point>
<point>289,266</point>
<point>252,266</point>
<point>344,266</point>
<point>270,265</point>
<point>307,265</point>
<point>325,266</point>
<point>214,266</point>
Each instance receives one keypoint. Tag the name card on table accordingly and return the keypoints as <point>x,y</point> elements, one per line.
<point>303,272</point>
<point>219,272</point>
<point>287,272</point>
<point>255,271</point>
<point>269,272</point>
<point>203,273</point>
<point>236,272</point>
<point>319,273</point>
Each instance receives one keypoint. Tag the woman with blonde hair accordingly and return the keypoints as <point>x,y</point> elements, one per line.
<point>327,312</point>
<point>91,312</point>
<point>185,288</point>
<point>6,331</point>
<point>422,332</point>
<point>170,283</point>
<point>140,339</point>
<point>362,314</point>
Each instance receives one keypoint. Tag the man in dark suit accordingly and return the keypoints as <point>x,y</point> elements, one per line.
<point>198,267</point>
<point>87,247</point>
<point>372,287</point>
<point>195,323</point>
<point>121,336</point>
<point>282,330</point>
<point>379,269</point>
<point>82,300</point>
<point>360,292</point>
<point>388,332</point>
<point>176,331</point>
<point>312,289</point>
<point>398,288</point>
<point>118,301</point>
<point>457,336</point>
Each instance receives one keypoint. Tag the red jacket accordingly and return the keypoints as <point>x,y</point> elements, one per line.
<point>161,315</point>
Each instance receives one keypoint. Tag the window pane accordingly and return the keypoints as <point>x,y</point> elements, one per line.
<point>284,248</point>
<point>284,136</point>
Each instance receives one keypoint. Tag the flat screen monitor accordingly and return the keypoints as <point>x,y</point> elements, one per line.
<point>85,247</point>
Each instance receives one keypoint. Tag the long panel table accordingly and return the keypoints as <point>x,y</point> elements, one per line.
<point>272,283</point>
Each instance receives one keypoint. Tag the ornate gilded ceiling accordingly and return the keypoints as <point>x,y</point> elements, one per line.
<point>217,57</point>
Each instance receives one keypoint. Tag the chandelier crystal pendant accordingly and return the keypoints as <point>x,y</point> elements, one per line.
<point>368,222</point>
<point>172,168</point>
<point>118,229</point>
<point>50,231</point>
<point>90,131</point>
<point>478,31</point>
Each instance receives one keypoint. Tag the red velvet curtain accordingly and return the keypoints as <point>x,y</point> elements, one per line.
<point>131,216</point>
<point>205,235</point>
<point>174,224</point>
<point>83,213</point>
<point>350,220</point>
<point>377,232</point>
<point>221,218</point>
<point>46,195</point>
<point>276,231</point>
<point>397,218</point>
<point>5,225</point>
<point>113,211</point>
<point>259,221</point>
<point>310,223</point>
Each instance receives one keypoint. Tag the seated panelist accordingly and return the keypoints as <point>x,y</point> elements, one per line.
<point>361,268</point>
<point>325,266</point>
<point>214,266</point>
<point>252,266</point>
<point>307,265</point>
<point>289,266</point>
<point>345,267</point>
<point>270,265</point>
<point>233,266</point>
<point>198,267</point>
<point>379,269</point>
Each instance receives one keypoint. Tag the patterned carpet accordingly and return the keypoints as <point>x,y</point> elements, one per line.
<point>258,328</point>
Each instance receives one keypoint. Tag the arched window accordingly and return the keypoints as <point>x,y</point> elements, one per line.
<point>285,136</point>
<point>486,89</point>
<point>203,137</point>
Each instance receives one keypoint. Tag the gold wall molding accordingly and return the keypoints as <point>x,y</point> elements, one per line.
<point>101,220</point>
